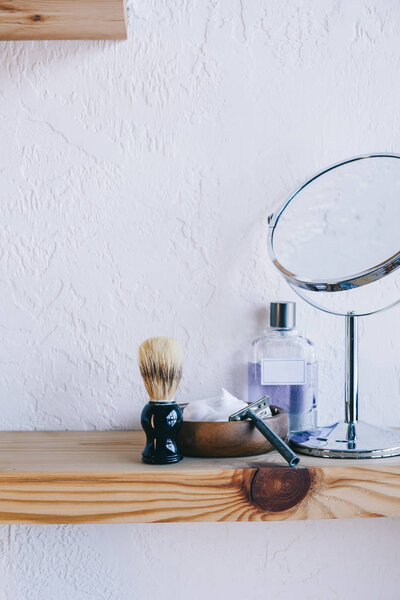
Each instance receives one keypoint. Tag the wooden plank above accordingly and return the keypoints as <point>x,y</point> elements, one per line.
<point>98,477</point>
<point>63,20</point>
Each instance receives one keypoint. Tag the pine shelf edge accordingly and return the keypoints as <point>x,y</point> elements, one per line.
<point>62,20</point>
<point>98,477</point>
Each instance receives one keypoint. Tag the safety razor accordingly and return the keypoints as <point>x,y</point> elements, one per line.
<point>257,412</point>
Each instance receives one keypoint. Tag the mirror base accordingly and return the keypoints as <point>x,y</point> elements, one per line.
<point>348,440</point>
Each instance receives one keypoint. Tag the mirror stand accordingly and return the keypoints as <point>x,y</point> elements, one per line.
<point>349,438</point>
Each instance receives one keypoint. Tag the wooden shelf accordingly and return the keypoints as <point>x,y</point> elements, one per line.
<point>63,20</point>
<point>98,477</point>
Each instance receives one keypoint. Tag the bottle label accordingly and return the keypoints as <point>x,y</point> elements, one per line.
<point>283,372</point>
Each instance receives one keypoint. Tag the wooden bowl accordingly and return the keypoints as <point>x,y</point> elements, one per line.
<point>216,439</point>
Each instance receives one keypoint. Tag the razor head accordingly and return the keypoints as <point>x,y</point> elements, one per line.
<point>260,407</point>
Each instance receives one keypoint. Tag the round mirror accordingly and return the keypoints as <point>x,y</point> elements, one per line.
<point>339,232</point>
<point>336,242</point>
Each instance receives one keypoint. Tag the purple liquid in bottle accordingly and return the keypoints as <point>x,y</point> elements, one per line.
<point>297,400</point>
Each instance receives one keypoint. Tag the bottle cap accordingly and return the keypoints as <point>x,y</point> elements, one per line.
<point>282,315</point>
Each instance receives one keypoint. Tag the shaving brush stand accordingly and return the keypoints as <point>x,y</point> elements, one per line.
<point>161,422</point>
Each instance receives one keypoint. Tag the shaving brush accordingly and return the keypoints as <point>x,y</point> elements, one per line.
<point>160,363</point>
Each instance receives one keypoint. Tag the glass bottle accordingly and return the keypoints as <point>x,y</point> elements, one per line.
<point>283,367</point>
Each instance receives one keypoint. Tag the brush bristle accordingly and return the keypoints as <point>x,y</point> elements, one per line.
<point>160,363</point>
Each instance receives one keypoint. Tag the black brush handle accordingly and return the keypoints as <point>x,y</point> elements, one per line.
<point>274,439</point>
<point>161,422</point>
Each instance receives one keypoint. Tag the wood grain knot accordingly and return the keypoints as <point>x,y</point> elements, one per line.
<point>37,18</point>
<point>275,489</point>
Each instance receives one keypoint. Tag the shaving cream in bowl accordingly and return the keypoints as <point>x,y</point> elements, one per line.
<point>206,431</point>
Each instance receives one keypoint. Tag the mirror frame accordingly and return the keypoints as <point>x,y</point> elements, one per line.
<point>344,283</point>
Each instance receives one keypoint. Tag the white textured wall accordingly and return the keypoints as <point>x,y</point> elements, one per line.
<point>136,178</point>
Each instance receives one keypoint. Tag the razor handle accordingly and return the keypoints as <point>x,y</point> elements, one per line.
<point>274,439</point>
